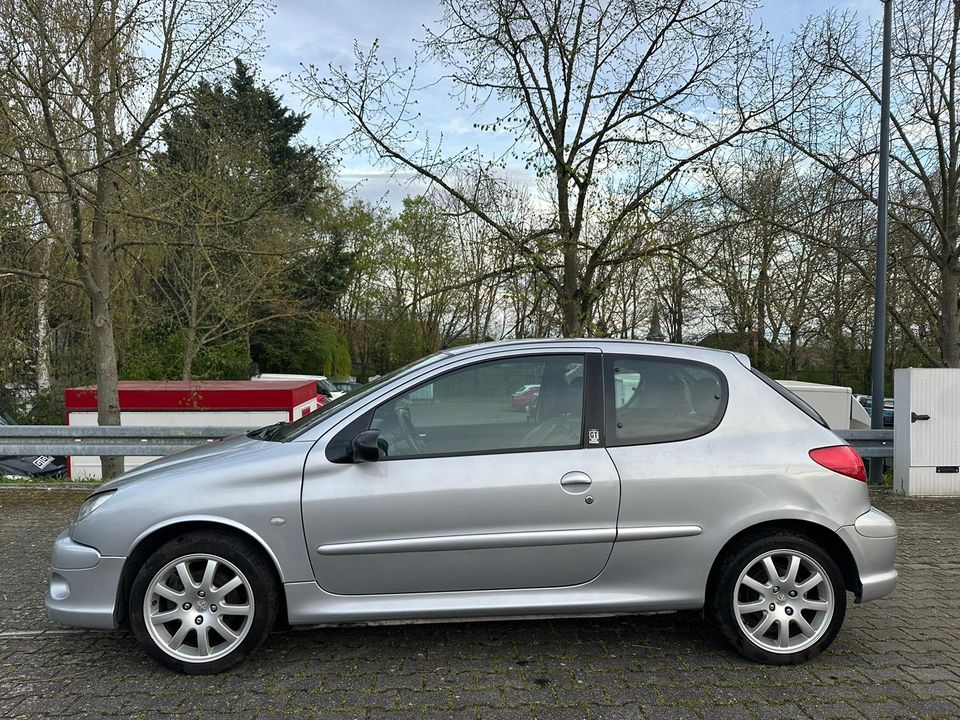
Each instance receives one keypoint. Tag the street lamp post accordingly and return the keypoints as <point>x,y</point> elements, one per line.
<point>880,279</point>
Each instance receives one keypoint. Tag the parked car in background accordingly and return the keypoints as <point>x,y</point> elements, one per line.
<point>888,408</point>
<point>523,396</point>
<point>346,387</point>
<point>700,483</point>
<point>325,389</point>
<point>30,466</point>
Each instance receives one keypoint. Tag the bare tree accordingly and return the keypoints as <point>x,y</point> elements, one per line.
<point>678,289</point>
<point>613,97</point>
<point>837,128</point>
<point>83,84</point>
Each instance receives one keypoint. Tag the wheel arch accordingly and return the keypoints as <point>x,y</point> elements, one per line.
<point>822,536</point>
<point>152,539</point>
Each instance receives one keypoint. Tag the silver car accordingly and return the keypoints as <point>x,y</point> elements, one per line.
<point>648,477</point>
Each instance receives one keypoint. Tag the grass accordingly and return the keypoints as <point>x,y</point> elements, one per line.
<point>40,481</point>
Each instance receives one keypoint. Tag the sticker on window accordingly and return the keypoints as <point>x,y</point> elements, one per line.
<point>593,437</point>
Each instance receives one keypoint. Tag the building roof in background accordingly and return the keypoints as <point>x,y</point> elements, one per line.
<point>199,395</point>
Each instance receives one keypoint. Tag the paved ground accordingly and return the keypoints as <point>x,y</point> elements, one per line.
<point>899,657</point>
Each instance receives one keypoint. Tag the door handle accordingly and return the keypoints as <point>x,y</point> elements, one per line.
<point>576,482</point>
<point>914,417</point>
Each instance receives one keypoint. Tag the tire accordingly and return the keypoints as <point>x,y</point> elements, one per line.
<point>812,610</point>
<point>232,592</point>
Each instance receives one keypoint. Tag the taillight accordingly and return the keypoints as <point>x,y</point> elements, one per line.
<point>841,459</point>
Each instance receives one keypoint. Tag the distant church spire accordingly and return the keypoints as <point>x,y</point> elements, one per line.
<point>655,334</point>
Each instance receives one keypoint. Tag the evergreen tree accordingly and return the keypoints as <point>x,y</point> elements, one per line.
<point>246,245</point>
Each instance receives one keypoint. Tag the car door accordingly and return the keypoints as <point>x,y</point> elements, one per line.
<point>679,479</point>
<point>470,494</point>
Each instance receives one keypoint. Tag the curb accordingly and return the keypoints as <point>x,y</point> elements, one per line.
<point>48,486</point>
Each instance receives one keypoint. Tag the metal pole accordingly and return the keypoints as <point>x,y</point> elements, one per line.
<point>880,280</point>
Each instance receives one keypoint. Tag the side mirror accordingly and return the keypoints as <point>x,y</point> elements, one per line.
<point>366,446</point>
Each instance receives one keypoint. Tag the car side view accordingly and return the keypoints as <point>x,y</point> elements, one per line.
<point>647,477</point>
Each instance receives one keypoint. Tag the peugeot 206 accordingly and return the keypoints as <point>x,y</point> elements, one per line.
<point>648,477</point>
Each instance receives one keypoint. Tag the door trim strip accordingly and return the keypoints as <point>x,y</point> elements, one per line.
<point>473,542</point>
<point>657,532</point>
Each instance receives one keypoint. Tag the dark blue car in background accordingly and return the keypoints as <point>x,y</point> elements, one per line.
<point>867,403</point>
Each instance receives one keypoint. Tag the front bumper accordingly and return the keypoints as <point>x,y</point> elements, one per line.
<point>872,541</point>
<point>83,585</point>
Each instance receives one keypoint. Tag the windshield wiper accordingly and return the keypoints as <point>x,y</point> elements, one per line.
<point>265,433</point>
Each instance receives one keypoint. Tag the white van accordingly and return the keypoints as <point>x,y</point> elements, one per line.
<point>324,386</point>
<point>837,404</point>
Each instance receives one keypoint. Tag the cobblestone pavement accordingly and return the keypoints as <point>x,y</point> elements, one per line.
<point>899,657</point>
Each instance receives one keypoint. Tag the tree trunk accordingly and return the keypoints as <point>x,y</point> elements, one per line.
<point>793,365</point>
<point>836,333</point>
<point>569,303</point>
<point>108,394</point>
<point>950,319</point>
<point>570,313</point>
<point>105,348</point>
<point>761,327</point>
<point>43,324</point>
<point>190,348</point>
<point>676,321</point>
<point>188,354</point>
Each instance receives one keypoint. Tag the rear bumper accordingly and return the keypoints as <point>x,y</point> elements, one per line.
<point>872,540</point>
<point>82,591</point>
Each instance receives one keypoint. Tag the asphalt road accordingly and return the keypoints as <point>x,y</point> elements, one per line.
<point>899,657</point>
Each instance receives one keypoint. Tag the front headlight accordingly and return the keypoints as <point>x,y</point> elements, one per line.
<point>92,503</point>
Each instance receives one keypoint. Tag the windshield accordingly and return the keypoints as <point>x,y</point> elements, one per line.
<point>326,386</point>
<point>289,431</point>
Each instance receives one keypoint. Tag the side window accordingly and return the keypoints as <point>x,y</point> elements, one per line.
<point>520,403</point>
<point>659,400</point>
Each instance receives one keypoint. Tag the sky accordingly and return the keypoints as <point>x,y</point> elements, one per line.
<point>321,32</point>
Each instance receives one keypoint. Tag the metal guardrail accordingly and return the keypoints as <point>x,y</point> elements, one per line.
<point>870,443</point>
<point>97,440</point>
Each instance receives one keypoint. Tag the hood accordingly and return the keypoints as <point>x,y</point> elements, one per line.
<point>201,456</point>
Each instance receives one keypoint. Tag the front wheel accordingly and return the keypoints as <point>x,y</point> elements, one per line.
<point>203,602</point>
<point>779,599</point>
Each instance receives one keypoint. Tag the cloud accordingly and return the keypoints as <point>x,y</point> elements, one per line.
<point>381,186</point>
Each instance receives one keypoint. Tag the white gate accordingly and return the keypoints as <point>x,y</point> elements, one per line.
<point>927,431</point>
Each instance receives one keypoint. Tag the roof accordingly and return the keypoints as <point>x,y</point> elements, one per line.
<point>206,395</point>
<point>610,343</point>
<point>814,387</point>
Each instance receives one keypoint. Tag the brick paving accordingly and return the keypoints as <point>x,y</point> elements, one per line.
<point>899,657</point>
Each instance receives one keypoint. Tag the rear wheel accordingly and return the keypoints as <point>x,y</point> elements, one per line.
<point>203,602</point>
<point>779,599</point>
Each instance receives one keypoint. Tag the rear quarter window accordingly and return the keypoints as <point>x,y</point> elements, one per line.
<point>652,399</point>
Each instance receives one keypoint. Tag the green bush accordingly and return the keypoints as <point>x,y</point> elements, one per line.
<point>294,345</point>
<point>159,356</point>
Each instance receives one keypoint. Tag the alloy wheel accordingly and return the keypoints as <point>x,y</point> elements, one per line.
<point>198,608</point>
<point>783,601</point>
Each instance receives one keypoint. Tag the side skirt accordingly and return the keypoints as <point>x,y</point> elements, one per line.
<point>309,604</point>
